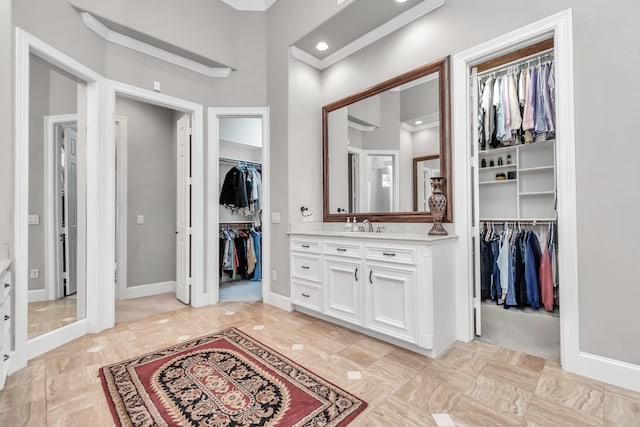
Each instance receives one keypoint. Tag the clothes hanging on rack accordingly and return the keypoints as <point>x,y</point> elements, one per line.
<point>240,249</point>
<point>517,104</point>
<point>514,269</point>
<point>242,189</point>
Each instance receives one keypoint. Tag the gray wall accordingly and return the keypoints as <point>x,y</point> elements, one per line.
<point>420,100</point>
<point>604,46</point>
<point>6,123</point>
<point>151,191</point>
<point>51,93</point>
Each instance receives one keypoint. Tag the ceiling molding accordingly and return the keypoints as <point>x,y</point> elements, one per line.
<point>142,47</point>
<point>305,57</point>
<point>250,5</point>
<point>383,30</point>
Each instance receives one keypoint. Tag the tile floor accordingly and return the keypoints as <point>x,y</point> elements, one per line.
<point>477,384</point>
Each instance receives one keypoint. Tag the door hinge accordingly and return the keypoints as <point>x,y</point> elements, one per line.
<point>189,181</point>
<point>189,281</point>
<point>189,230</point>
<point>189,131</point>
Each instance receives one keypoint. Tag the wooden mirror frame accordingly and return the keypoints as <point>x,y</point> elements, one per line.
<point>417,160</point>
<point>441,66</point>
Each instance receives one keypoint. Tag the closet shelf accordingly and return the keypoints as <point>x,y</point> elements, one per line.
<point>486,168</point>
<point>537,193</point>
<point>497,150</point>
<point>536,169</point>
<point>525,219</point>
<point>534,145</point>
<point>506,181</point>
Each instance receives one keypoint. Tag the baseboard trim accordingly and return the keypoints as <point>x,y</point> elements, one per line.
<point>150,289</point>
<point>38,295</point>
<point>611,371</point>
<point>279,301</point>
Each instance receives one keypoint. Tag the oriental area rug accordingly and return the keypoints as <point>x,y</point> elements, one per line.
<point>223,379</point>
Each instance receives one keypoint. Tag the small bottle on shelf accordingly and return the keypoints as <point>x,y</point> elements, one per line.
<point>499,161</point>
<point>508,159</point>
<point>483,163</point>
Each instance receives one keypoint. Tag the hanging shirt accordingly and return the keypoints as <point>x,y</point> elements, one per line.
<point>503,263</point>
<point>528,121</point>
<point>549,113</point>
<point>532,268</point>
<point>506,107</point>
<point>497,103</point>
<point>540,120</point>
<point>546,277</point>
<point>486,105</point>
<point>514,105</point>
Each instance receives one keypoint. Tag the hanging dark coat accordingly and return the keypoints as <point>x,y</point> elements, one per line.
<point>234,190</point>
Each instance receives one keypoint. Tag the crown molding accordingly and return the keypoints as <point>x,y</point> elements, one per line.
<point>372,36</point>
<point>139,46</point>
<point>250,5</point>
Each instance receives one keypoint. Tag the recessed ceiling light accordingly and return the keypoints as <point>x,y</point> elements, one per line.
<point>418,122</point>
<point>401,1</point>
<point>322,46</point>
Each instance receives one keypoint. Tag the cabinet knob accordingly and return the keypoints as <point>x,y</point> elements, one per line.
<point>371,276</point>
<point>355,273</point>
<point>7,285</point>
<point>306,295</point>
<point>341,250</point>
<point>306,267</point>
<point>388,254</point>
<point>6,357</point>
<point>305,246</point>
<point>7,317</point>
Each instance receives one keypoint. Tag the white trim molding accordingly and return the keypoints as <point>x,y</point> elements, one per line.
<point>558,26</point>
<point>150,289</point>
<point>142,47</point>
<point>213,196</point>
<point>38,295</point>
<point>410,15</point>
<point>277,300</point>
<point>250,5</point>
<point>27,44</point>
<point>199,296</point>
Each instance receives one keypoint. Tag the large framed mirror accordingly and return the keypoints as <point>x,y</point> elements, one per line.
<point>381,145</point>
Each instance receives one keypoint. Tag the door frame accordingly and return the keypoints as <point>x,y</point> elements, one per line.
<point>114,88</point>
<point>561,28</point>
<point>25,348</point>
<point>121,206</point>
<point>213,196</point>
<point>51,219</point>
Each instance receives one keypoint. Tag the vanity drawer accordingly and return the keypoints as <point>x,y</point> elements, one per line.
<point>306,295</point>
<point>5,319</point>
<point>305,267</point>
<point>5,285</point>
<point>342,249</point>
<point>301,245</point>
<point>398,255</point>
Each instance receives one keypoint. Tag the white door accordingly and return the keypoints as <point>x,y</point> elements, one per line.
<point>475,196</point>
<point>70,215</point>
<point>183,214</point>
<point>343,290</point>
<point>391,298</point>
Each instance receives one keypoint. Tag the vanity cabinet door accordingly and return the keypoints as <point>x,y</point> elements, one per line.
<point>390,300</point>
<point>343,290</point>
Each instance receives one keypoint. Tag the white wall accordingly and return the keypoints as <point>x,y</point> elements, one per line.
<point>151,192</point>
<point>6,122</point>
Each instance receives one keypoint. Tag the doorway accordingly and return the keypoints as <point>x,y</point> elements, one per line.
<point>239,223</point>
<point>153,165</point>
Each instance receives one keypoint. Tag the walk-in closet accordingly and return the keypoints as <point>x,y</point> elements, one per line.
<point>515,199</point>
<point>240,208</point>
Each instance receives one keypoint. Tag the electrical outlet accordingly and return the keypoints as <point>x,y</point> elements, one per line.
<point>35,273</point>
<point>274,275</point>
<point>34,219</point>
<point>140,219</point>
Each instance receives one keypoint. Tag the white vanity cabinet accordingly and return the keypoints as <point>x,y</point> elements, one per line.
<point>394,287</point>
<point>5,319</point>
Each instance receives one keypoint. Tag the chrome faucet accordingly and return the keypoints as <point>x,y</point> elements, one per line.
<point>366,221</point>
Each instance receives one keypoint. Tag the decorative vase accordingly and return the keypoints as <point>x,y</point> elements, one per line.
<point>437,206</point>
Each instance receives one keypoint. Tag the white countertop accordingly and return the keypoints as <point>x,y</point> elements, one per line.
<point>4,264</point>
<point>375,236</point>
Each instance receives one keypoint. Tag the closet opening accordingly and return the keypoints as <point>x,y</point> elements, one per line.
<point>514,215</point>
<point>153,202</point>
<point>240,200</point>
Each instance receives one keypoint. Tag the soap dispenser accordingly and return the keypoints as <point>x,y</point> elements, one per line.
<point>354,227</point>
<point>347,225</point>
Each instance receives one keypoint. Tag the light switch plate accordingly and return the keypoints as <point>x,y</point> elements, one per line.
<point>275,217</point>
<point>34,219</point>
<point>35,273</point>
<point>140,219</point>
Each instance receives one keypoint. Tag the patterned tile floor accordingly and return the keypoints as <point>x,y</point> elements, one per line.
<point>476,384</point>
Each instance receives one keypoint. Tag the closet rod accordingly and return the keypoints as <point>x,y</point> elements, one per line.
<point>229,160</point>
<point>519,221</point>
<point>530,58</point>
<point>236,222</point>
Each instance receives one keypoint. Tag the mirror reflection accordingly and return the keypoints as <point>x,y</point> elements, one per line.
<point>424,168</point>
<point>57,131</point>
<point>372,144</point>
